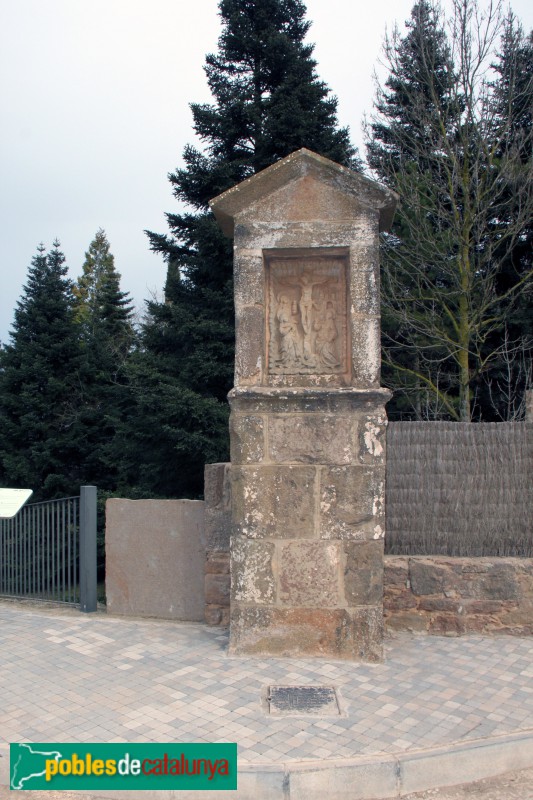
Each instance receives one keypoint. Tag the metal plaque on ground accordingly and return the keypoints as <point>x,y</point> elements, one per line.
<point>312,700</point>
<point>12,500</point>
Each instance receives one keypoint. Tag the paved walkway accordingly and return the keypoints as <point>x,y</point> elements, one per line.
<point>67,676</point>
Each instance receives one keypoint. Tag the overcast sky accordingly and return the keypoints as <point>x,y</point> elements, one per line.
<point>95,100</point>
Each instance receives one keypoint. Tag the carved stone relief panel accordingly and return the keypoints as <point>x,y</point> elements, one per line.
<point>307,328</point>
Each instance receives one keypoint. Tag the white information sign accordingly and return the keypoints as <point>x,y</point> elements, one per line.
<point>12,500</point>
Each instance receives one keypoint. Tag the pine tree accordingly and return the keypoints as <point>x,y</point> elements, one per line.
<point>39,385</point>
<point>104,315</point>
<point>268,102</point>
<point>502,391</point>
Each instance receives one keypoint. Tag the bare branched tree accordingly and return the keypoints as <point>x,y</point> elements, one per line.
<point>445,138</point>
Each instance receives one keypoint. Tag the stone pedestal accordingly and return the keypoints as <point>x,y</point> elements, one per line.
<point>307,412</point>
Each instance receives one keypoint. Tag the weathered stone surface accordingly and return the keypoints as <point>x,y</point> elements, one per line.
<point>498,583</point>
<point>446,625</point>
<point>248,276</point>
<point>427,577</point>
<point>398,602</point>
<point>309,574</point>
<point>216,615</point>
<point>217,563</point>
<point>440,604</point>
<point>465,595</point>
<point>312,439</point>
<point>217,589</point>
<point>347,401</point>
<point>301,632</point>
<point>249,356</point>
<point>247,438</point>
<point>372,435</point>
<point>216,485</point>
<point>401,620</point>
<point>365,639</point>
<point>365,291</point>
<point>155,558</point>
<point>275,502</point>
<point>352,503</point>
<point>366,351</point>
<point>481,607</point>
<point>252,578</point>
<point>217,493</point>
<point>396,571</point>
<point>363,573</point>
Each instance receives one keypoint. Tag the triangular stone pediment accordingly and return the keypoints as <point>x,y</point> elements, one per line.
<point>304,186</point>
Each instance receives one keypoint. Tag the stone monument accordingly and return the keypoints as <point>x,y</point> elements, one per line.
<point>307,419</point>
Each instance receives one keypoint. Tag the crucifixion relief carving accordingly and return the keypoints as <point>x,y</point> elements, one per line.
<point>307,315</point>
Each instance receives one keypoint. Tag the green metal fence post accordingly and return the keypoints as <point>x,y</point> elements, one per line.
<point>88,548</point>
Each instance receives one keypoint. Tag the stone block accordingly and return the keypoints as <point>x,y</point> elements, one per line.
<point>372,439</point>
<point>309,574</point>
<point>365,636</point>
<point>247,438</point>
<point>217,493</point>
<point>252,578</point>
<point>447,625</point>
<point>396,571</point>
<point>519,618</point>
<point>363,573</point>
<point>248,276</point>
<point>427,577</point>
<point>275,502</point>
<point>450,606</point>
<point>249,355</point>
<point>364,293</point>
<point>411,621</point>
<point>313,438</point>
<point>217,589</point>
<point>302,632</point>
<point>398,602</point>
<point>482,606</point>
<point>155,558</point>
<point>217,563</point>
<point>366,351</point>
<point>351,503</point>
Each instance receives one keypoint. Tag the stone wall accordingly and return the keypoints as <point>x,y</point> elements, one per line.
<point>428,594</point>
<point>217,493</point>
<point>452,596</point>
<point>155,558</point>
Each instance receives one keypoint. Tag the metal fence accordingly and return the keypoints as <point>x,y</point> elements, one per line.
<point>48,551</point>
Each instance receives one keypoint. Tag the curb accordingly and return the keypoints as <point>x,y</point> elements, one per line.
<point>375,778</point>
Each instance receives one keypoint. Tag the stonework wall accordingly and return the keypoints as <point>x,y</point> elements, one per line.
<point>434,594</point>
<point>308,506</point>
<point>155,558</point>
<point>454,596</point>
<point>217,493</point>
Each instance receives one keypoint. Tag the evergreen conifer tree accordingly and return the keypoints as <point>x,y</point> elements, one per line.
<point>267,102</point>
<point>502,392</point>
<point>39,385</point>
<point>104,315</point>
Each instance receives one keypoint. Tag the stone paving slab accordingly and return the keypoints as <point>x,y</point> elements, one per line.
<point>67,676</point>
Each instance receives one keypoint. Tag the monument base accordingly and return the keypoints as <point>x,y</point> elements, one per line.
<point>307,494</point>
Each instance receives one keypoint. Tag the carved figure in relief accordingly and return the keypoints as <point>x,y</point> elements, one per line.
<point>306,283</point>
<point>326,337</point>
<point>289,347</point>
